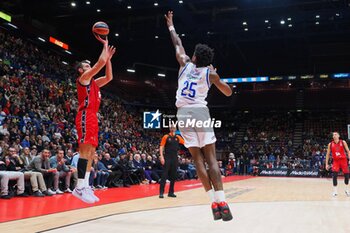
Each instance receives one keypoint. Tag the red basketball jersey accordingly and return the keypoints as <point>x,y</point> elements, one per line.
<point>89,96</point>
<point>338,151</point>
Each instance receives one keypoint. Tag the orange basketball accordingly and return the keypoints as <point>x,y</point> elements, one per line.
<point>100,28</point>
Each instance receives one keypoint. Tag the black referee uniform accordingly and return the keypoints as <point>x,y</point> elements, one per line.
<point>171,144</point>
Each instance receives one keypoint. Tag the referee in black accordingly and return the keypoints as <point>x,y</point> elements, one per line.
<point>170,144</point>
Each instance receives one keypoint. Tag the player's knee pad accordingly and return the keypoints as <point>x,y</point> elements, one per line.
<point>82,163</point>
<point>335,178</point>
<point>346,180</point>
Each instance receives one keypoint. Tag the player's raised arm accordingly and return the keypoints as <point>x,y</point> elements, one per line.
<point>214,78</point>
<point>109,72</point>
<point>327,155</point>
<point>89,74</point>
<point>181,56</point>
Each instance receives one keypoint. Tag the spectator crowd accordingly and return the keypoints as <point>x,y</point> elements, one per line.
<point>38,137</point>
<point>38,145</point>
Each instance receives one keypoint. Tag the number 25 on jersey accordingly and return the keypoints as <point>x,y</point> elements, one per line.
<point>189,90</point>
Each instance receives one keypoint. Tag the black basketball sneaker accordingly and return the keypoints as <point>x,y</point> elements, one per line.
<point>216,211</point>
<point>225,211</point>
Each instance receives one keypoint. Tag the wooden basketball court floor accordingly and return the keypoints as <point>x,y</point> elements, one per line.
<point>262,204</point>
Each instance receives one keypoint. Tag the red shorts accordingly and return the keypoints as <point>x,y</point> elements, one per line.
<point>340,163</point>
<point>87,127</point>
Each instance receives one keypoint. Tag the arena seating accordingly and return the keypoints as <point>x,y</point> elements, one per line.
<point>38,99</point>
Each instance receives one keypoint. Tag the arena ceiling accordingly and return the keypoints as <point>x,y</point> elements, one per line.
<point>261,37</point>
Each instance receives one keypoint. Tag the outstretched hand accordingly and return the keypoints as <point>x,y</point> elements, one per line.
<point>110,52</point>
<point>169,18</point>
<point>103,41</point>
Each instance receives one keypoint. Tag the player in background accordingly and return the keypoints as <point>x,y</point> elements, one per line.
<point>340,160</point>
<point>196,75</point>
<point>89,98</point>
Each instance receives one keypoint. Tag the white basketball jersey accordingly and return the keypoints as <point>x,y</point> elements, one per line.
<point>193,86</point>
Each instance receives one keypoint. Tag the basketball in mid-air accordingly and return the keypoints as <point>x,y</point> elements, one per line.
<point>100,28</point>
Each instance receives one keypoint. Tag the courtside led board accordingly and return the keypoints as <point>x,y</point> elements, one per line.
<point>58,43</point>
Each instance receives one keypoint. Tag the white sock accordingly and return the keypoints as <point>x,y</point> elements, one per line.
<point>220,196</point>
<point>335,189</point>
<point>87,176</point>
<point>347,188</point>
<point>211,195</point>
<point>81,183</point>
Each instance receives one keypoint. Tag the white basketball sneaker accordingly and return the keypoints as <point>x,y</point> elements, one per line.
<point>347,192</point>
<point>84,195</point>
<point>334,194</point>
<point>92,194</point>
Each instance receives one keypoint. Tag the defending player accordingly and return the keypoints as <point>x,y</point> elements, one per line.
<point>195,78</point>
<point>338,148</point>
<point>89,98</point>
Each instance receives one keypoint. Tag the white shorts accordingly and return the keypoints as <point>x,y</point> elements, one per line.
<point>196,136</point>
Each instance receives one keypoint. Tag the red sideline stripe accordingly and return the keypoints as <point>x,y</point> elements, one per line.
<point>19,208</point>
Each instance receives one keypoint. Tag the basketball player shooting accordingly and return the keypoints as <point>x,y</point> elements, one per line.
<point>338,148</point>
<point>89,98</point>
<point>196,75</point>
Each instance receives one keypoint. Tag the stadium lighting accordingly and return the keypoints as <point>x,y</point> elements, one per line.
<point>161,75</point>
<point>87,2</point>
<point>290,25</point>
<point>131,70</point>
<point>283,22</point>
<point>69,52</point>
<point>244,23</point>
<point>289,19</point>
<point>155,4</point>
<point>317,23</point>
<point>129,7</point>
<point>266,21</point>
<point>269,27</point>
<point>73,4</point>
<point>5,16</point>
<point>41,39</point>
<point>12,25</point>
<point>183,35</point>
<point>156,37</point>
<point>181,1</point>
<point>64,62</point>
<point>117,34</point>
<point>98,10</point>
<point>337,14</point>
<point>317,16</point>
<point>246,29</point>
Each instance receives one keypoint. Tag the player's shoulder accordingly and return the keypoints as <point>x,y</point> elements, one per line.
<point>186,65</point>
<point>80,82</point>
